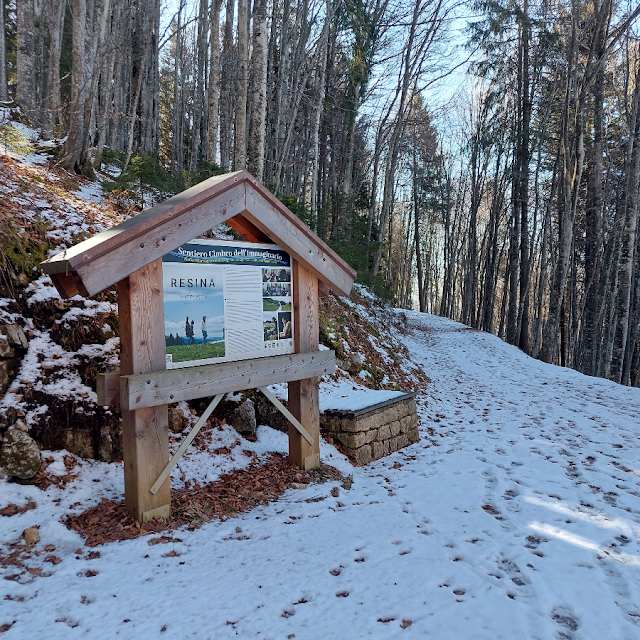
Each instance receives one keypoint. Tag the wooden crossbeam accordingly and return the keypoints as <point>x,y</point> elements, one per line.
<point>164,387</point>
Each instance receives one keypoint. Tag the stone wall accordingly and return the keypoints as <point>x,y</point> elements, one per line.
<point>13,344</point>
<point>376,431</point>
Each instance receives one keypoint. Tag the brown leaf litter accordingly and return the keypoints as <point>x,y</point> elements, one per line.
<point>235,492</point>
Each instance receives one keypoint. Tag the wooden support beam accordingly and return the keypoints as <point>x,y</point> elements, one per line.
<point>67,285</point>
<point>248,230</point>
<point>303,394</point>
<point>145,432</point>
<point>108,389</point>
<point>173,385</point>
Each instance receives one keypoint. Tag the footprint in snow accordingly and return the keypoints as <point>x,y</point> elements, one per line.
<point>566,621</point>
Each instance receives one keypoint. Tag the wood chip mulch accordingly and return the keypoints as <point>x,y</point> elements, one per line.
<point>13,509</point>
<point>192,506</point>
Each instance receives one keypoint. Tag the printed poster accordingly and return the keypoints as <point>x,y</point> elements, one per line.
<point>225,301</point>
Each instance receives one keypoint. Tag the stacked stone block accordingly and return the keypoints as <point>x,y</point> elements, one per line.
<point>376,431</point>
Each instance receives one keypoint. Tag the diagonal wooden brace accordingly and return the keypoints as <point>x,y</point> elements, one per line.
<point>287,414</point>
<point>185,443</point>
<point>203,418</point>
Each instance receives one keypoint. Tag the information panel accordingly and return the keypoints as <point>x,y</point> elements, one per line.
<point>226,301</point>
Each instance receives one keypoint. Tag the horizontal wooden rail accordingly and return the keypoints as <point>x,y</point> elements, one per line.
<point>164,387</point>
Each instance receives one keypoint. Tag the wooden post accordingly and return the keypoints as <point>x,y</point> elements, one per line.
<point>145,432</point>
<point>303,394</point>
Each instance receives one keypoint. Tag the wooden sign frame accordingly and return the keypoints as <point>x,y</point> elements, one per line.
<point>130,255</point>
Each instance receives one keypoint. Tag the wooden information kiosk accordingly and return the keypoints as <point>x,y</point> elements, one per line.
<point>130,254</point>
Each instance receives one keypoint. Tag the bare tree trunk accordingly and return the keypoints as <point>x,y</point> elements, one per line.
<point>104,100</point>
<point>523,186</point>
<point>491,263</point>
<point>240,134</point>
<point>134,102</point>
<point>566,210</point>
<point>227,93</point>
<point>416,236</point>
<point>281,81</point>
<point>257,130</point>
<point>4,87</point>
<point>176,146</point>
<point>317,113</point>
<point>55,22</point>
<point>628,246</point>
<point>78,80</point>
<point>25,60</point>
<point>199,89</point>
<point>84,161</point>
<point>593,234</point>
<point>214,82</point>
<point>630,370</point>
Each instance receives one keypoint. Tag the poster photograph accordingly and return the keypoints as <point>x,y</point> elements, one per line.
<point>226,300</point>
<point>277,289</point>
<point>276,304</point>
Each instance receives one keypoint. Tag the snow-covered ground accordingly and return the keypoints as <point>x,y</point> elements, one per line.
<point>517,515</point>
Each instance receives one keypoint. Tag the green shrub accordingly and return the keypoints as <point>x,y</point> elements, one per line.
<point>14,141</point>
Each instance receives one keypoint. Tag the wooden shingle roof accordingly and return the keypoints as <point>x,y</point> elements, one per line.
<point>236,198</point>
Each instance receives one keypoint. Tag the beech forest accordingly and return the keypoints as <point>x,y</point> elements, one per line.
<point>476,160</point>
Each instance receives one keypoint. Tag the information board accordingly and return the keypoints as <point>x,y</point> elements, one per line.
<point>226,300</point>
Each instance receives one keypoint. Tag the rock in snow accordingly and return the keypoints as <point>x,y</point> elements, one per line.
<point>15,335</point>
<point>31,535</point>
<point>20,454</point>
<point>243,418</point>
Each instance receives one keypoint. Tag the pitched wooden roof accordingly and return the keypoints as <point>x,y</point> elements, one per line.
<point>236,198</point>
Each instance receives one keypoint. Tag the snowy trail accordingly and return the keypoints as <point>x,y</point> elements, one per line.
<point>517,515</point>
